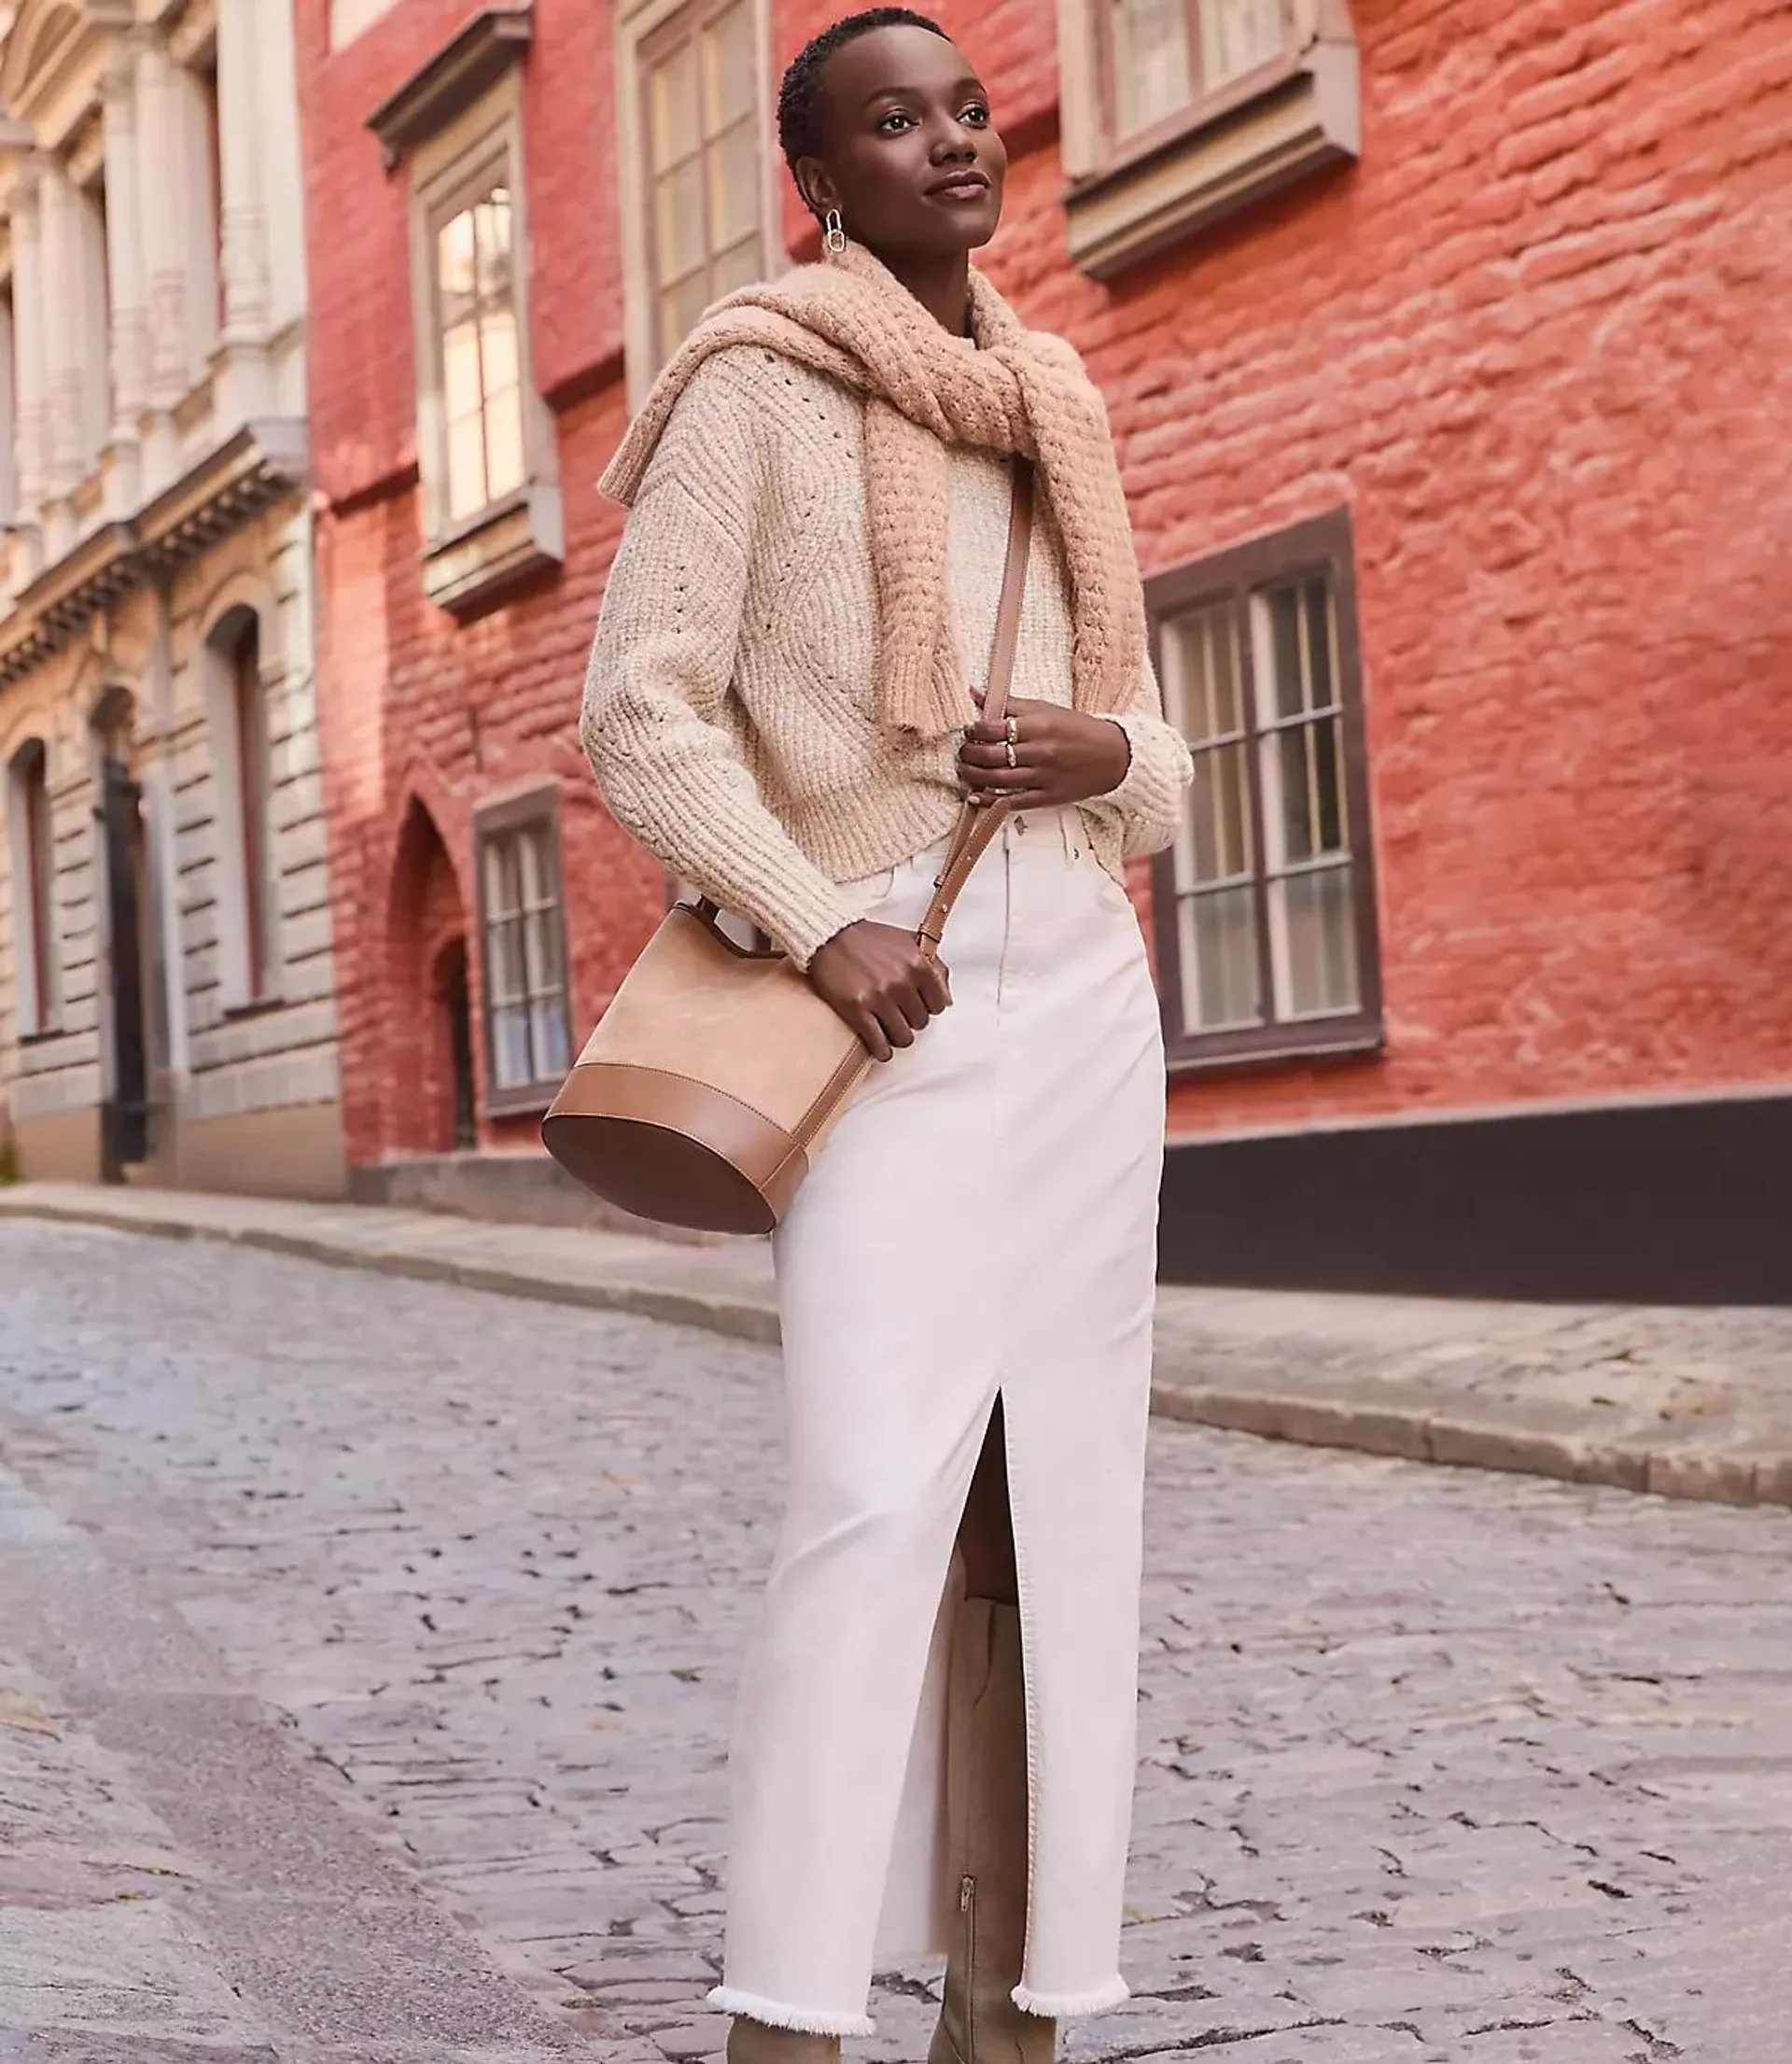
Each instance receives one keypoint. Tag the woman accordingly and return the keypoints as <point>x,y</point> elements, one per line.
<point>778,706</point>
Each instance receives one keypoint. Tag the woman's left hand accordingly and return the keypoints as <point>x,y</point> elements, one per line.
<point>1059,756</point>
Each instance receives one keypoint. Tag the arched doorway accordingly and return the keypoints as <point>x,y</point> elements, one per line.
<point>123,857</point>
<point>432,1104</point>
<point>454,1002</point>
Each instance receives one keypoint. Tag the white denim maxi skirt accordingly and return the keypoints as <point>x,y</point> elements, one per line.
<point>982,1222</point>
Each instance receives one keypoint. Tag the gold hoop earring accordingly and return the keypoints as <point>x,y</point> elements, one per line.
<point>834,232</point>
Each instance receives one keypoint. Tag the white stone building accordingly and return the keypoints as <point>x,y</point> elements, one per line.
<point>167,1007</point>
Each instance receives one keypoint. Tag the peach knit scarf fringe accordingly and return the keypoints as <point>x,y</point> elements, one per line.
<point>1005,389</point>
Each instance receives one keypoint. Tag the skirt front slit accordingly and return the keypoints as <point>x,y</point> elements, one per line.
<point>980,1223</point>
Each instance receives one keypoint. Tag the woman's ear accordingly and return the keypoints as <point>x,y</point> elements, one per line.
<point>814,185</point>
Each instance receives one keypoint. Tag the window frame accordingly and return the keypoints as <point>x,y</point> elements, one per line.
<point>535,808</point>
<point>1204,105</point>
<point>254,775</point>
<point>643,31</point>
<point>685,25</point>
<point>456,125</point>
<point>1127,198</point>
<point>1233,577</point>
<point>448,199</point>
<point>34,865</point>
<point>251,973</point>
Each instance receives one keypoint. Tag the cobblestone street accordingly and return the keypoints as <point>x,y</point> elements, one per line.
<point>1437,1766</point>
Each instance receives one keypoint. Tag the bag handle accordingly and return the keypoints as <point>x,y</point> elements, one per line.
<point>978,823</point>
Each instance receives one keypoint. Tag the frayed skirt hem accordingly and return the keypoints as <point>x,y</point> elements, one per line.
<point>772,2013</point>
<point>1070,2006</point>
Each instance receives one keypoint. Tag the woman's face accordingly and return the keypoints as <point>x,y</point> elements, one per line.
<point>909,155</point>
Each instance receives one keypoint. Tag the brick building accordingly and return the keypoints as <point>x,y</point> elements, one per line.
<point>1445,351</point>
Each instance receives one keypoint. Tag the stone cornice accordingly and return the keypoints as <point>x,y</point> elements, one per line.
<point>264,461</point>
<point>52,61</point>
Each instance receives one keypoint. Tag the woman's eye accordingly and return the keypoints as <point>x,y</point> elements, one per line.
<point>898,117</point>
<point>977,115</point>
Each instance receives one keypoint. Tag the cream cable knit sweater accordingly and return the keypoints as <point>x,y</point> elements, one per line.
<point>729,701</point>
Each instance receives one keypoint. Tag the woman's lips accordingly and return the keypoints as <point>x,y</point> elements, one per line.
<point>962,185</point>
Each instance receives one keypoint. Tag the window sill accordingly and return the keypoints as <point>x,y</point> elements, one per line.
<point>255,1006</point>
<point>529,1101</point>
<point>1269,1045</point>
<point>473,565</point>
<point>1286,123</point>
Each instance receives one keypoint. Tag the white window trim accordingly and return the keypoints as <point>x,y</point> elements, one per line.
<point>237,987</point>
<point>634,26</point>
<point>36,1001</point>
<point>1274,733</point>
<point>1127,200</point>
<point>466,562</point>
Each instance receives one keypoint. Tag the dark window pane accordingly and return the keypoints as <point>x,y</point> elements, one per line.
<point>1283,605</point>
<point>1287,751</point>
<point>1318,593</point>
<point>1328,786</point>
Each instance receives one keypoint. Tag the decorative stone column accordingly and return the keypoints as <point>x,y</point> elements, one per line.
<point>244,381</point>
<point>31,370</point>
<point>162,156</point>
<point>283,200</point>
<point>129,311</point>
<point>64,341</point>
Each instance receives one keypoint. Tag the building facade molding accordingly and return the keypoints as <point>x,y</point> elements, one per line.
<point>453,79</point>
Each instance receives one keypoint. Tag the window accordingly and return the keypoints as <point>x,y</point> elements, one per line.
<point>1178,112</point>
<point>249,707</point>
<point>700,202</point>
<point>1164,55</point>
<point>1265,904</point>
<point>527,1044</point>
<point>33,852</point>
<point>480,365</point>
<point>241,757</point>
<point>702,173</point>
<point>491,513</point>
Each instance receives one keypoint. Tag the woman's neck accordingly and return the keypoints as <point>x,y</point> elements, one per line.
<point>941,285</point>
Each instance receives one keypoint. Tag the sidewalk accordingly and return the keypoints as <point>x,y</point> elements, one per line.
<point>1684,1403</point>
<point>181,1881</point>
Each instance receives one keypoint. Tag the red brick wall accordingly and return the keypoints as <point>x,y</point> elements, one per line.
<point>414,706</point>
<point>1535,342</point>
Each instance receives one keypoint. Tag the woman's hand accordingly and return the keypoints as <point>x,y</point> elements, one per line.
<point>876,978</point>
<point>1059,756</point>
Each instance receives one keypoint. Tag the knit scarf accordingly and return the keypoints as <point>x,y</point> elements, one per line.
<point>1005,389</point>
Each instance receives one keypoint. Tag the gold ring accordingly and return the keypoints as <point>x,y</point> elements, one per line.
<point>1014,731</point>
<point>1013,758</point>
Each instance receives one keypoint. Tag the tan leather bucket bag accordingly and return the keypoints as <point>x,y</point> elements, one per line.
<point>713,1077</point>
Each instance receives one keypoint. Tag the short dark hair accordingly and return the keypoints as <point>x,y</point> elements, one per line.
<point>799,98</point>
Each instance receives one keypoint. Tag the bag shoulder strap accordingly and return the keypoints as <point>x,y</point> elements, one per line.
<point>977,825</point>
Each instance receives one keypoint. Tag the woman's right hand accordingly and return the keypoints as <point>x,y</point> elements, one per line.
<point>877,977</point>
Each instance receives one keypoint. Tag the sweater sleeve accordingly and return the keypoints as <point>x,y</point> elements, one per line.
<point>1148,802</point>
<point>652,724</point>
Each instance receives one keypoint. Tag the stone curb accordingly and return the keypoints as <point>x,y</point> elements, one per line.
<point>1412,1428</point>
